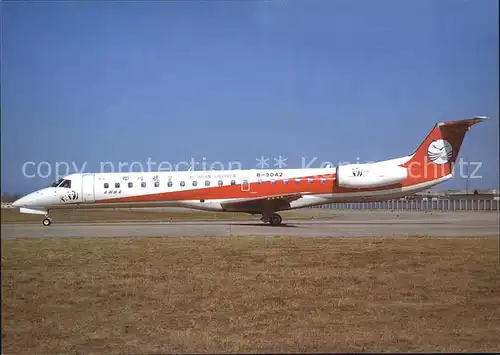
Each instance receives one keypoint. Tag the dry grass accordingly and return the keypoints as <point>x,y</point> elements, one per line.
<point>145,295</point>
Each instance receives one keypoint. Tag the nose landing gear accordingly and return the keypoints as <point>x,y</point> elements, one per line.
<point>47,221</point>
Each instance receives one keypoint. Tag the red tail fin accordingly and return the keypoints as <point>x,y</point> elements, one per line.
<point>437,154</point>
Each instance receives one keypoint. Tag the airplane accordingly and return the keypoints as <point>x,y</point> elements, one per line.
<point>260,191</point>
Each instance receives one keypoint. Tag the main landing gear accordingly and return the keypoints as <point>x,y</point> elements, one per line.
<point>274,219</point>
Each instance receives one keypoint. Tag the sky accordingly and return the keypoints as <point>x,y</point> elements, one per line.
<point>85,83</point>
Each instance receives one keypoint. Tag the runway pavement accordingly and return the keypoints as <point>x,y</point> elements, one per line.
<point>352,224</point>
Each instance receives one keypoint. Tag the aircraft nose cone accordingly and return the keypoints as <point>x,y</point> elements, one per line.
<point>27,200</point>
<point>19,203</point>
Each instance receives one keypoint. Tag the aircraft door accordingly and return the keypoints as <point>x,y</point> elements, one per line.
<point>245,184</point>
<point>88,192</point>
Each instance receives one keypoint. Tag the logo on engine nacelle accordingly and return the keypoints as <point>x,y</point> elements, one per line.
<point>440,151</point>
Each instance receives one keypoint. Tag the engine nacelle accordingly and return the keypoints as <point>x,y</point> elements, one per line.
<point>368,175</point>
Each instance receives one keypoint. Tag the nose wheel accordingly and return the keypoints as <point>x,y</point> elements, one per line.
<point>47,222</point>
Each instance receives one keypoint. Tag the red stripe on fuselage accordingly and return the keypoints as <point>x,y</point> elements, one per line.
<point>235,191</point>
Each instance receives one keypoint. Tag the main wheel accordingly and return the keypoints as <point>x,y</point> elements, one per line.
<point>46,222</point>
<point>275,219</point>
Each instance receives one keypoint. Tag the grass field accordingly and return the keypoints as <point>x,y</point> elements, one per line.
<point>145,295</point>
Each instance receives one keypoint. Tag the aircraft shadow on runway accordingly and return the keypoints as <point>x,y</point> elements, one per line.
<point>284,225</point>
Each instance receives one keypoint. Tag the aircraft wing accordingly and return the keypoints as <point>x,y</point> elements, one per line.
<point>259,204</point>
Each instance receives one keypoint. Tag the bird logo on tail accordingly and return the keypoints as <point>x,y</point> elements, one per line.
<point>440,151</point>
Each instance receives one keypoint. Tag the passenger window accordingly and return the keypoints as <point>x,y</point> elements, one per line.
<point>310,181</point>
<point>169,184</point>
<point>143,184</point>
<point>157,184</point>
<point>297,181</point>
<point>259,182</point>
<point>130,184</point>
<point>273,182</point>
<point>285,182</point>
<point>233,182</point>
<point>106,185</point>
<point>183,183</point>
<point>195,182</point>
<point>220,183</point>
<point>207,182</point>
<point>323,181</point>
<point>117,184</point>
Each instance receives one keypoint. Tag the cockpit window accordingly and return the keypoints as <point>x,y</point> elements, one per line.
<point>65,184</point>
<point>55,184</point>
<point>62,183</point>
